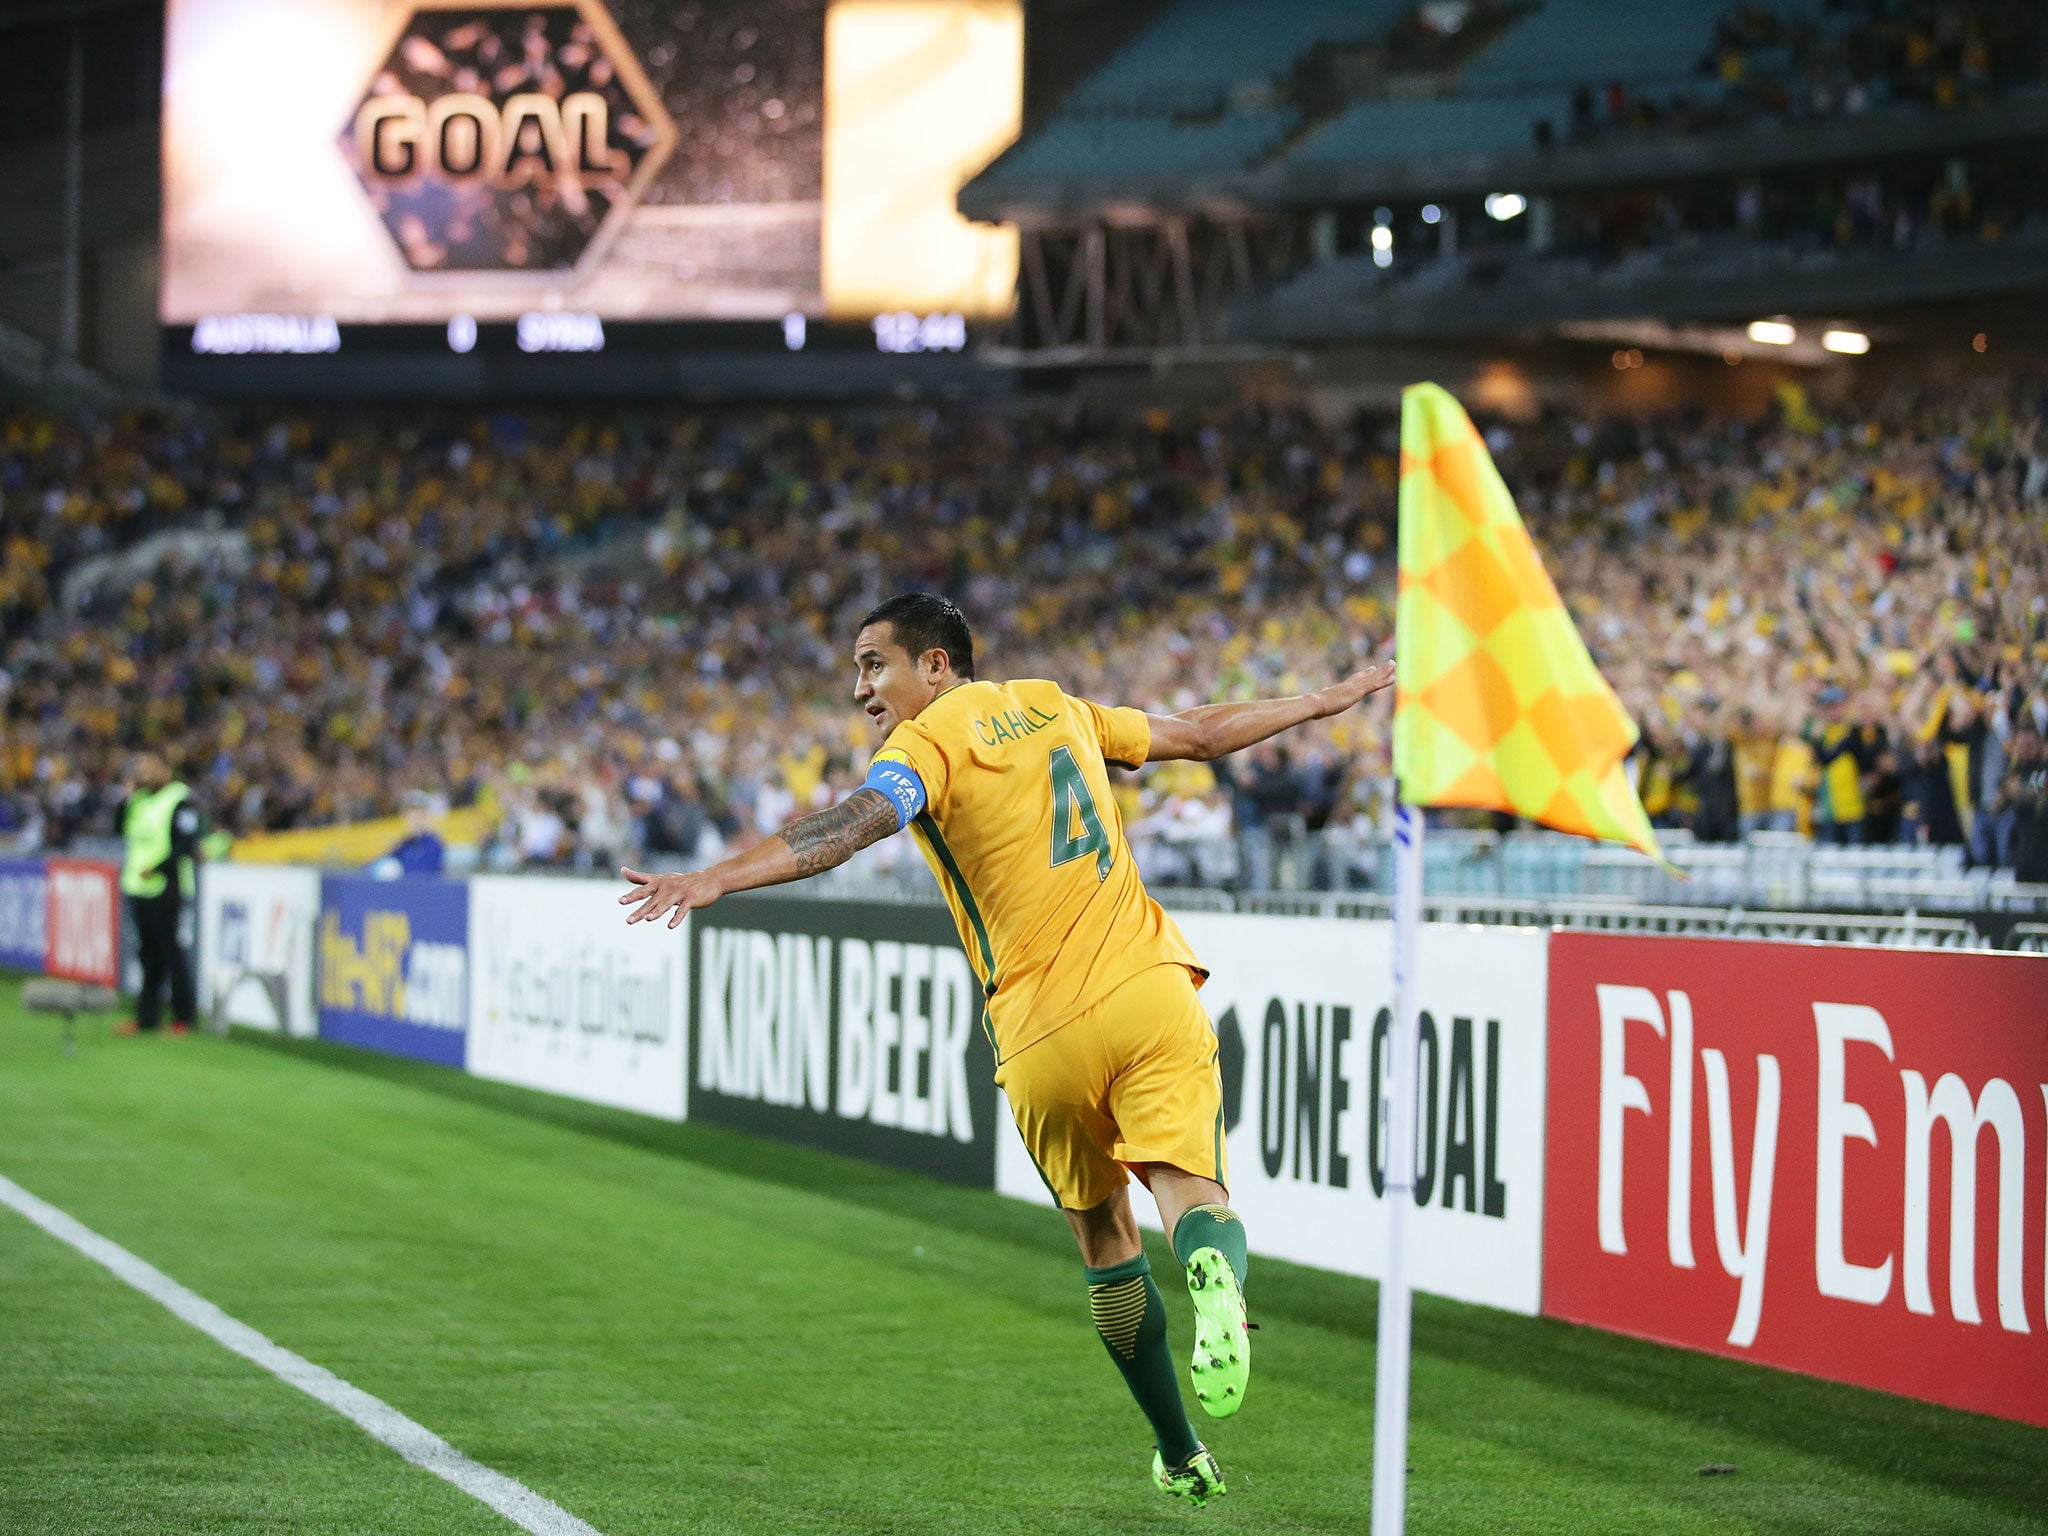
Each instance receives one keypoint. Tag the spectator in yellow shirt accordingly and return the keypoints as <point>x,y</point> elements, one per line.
<point>1756,751</point>
<point>1793,778</point>
<point>1847,753</point>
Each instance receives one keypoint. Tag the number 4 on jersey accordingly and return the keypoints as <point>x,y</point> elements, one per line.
<point>1071,804</point>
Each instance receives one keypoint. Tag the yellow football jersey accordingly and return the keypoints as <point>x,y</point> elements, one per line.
<point>1020,828</point>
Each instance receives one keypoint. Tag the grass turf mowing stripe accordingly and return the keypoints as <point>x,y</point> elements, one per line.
<point>415,1442</point>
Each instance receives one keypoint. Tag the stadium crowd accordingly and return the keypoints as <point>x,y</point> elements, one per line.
<point>1769,67</point>
<point>1848,58</point>
<point>1919,207</point>
<point>627,631</point>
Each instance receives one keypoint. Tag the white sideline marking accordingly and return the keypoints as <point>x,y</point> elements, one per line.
<point>415,1442</point>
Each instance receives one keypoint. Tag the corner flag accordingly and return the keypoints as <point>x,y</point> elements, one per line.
<point>1496,704</point>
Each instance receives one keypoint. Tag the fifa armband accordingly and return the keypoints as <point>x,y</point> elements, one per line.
<point>900,785</point>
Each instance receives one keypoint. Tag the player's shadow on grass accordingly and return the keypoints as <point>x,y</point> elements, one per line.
<point>1968,1456</point>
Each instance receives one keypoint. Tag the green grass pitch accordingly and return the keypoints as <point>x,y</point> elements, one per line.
<point>675,1329</point>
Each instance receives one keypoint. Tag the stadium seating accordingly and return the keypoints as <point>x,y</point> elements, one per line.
<point>1191,57</point>
<point>1172,102</point>
<point>1211,84</point>
<point>1649,48</point>
<point>1083,145</point>
<point>1448,125</point>
<point>1559,45</point>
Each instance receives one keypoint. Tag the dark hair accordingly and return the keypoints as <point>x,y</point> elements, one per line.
<point>925,621</point>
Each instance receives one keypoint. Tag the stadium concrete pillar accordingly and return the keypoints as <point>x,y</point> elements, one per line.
<point>1447,233</point>
<point>70,298</point>
<point>1542,222</point>
<point>1095,259</point>
<point>1185,307</point>
<point>1323,236</point>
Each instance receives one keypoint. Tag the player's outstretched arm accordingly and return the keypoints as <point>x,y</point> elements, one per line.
<point>809,845</point>
<point>1215,730</point>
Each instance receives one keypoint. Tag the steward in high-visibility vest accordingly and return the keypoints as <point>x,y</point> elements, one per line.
<point>161,827</point>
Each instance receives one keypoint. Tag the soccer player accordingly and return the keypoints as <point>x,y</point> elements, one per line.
<point>1102,1048</point>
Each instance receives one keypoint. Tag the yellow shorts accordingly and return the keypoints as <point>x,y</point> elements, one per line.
<point>1132,1081</point>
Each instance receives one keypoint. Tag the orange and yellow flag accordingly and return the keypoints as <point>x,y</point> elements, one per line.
<point>1497,704</point>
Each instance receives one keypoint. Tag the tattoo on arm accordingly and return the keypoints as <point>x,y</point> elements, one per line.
<point>828,838</point>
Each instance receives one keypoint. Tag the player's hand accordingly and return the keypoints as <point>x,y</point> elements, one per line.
<point>1338,697</point>
<point>676,895</point>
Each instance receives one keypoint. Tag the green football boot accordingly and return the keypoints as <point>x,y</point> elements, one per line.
<point>1222,1362</point>
<point>1198,1479</point>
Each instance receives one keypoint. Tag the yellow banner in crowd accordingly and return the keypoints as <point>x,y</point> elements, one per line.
<point>1497,704</point>
<point>355,843</point>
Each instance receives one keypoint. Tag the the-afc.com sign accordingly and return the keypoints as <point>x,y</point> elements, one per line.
<point>1830,1159</point>
<point>394,966</point>
<point>498,138</point>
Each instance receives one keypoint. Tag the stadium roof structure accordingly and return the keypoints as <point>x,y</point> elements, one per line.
<point>1213,181</point>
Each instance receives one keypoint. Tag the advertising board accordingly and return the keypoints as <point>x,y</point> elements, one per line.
<point>854,1026</point>
<point>394,965</point>
<point>1301,1010</point>
<point>566,998</point>
<point>256,928</point>
<point>24,914</point>
<point>1823,1157</point>
<point>84,921</point>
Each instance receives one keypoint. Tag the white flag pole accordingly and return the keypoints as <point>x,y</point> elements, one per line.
<point>1397,1118</point>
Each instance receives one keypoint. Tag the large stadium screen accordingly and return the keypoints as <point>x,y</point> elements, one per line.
<point>378,176</point>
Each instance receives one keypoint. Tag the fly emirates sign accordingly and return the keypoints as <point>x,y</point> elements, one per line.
<point>1830,1159</point>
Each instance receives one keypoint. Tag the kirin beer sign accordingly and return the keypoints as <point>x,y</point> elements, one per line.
<point>500,138</point>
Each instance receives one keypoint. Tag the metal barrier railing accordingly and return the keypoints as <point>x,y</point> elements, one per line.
<point>1891,896</point>
<point>1770,870</point>
<point>1909,929</point>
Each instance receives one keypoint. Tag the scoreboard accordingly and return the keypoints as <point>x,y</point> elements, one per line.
<point>579,352</point>
<point>626,195</point>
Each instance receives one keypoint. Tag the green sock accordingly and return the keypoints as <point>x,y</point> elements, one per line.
<point>1130,1315</point>
<point>1212,1226</point>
